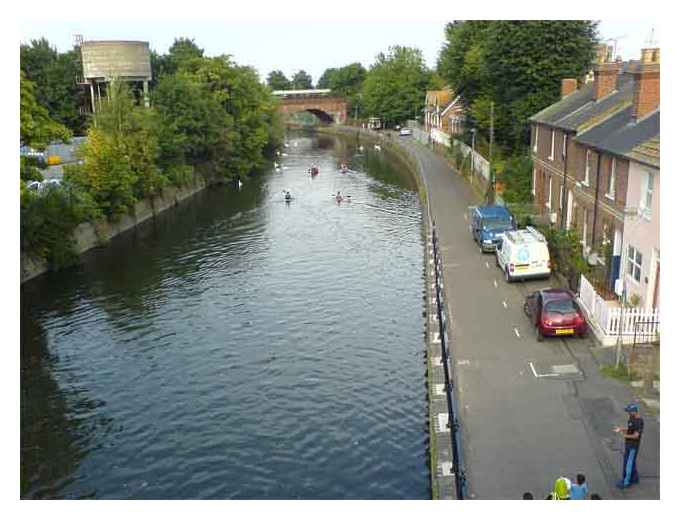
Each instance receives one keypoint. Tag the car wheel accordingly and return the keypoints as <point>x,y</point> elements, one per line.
<point>507,276</point>
<point>539,335</point>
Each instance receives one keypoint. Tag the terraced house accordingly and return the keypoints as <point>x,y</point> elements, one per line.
<point>596,171</point>
<point>444,115</point>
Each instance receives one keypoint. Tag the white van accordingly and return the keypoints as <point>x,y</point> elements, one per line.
<point>522,254</point>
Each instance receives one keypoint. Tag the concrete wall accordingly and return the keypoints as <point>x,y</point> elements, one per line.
<point>96,234</point>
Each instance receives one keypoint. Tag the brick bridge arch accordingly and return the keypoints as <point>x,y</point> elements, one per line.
<point>329,109</point>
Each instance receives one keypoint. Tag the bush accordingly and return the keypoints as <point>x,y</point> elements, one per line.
<point>565,253</point>
<point>48,219</point>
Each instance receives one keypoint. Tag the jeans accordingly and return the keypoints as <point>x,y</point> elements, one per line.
<point>630,474</point>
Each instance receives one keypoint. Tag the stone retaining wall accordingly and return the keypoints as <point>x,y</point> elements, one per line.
<point>89,235</point>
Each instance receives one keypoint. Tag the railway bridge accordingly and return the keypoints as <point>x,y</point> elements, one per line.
<point>328,108</point>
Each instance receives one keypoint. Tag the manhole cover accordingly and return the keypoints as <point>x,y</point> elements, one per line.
<point>565,369</point>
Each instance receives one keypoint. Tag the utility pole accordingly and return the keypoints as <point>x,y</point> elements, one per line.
<point>491,196</point>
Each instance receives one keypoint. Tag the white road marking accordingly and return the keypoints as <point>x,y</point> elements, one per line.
<point>540,375</point>
<point>487,265</point>
<point>505,304</point>
<point>495,283</point>
<point>465,216</point>
<point>516,332</point>
<point>463,362</point>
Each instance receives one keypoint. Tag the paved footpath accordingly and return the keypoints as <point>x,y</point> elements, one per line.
<point>530,411</point>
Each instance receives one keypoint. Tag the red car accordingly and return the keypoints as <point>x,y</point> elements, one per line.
<point>554,312</point>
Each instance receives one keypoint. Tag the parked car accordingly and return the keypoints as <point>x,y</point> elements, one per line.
<point>405,131</point>
<point>555,312</point>
<point>523,254</point>
<point>488,223</point>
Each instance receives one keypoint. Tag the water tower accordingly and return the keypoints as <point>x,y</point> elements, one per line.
<point>104,61</point>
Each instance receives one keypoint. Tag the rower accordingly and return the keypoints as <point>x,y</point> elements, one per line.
<point>338,198</point>
<point>288,196</point>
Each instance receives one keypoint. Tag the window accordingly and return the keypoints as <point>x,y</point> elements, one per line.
<point>586,179</point>
<point>536,139</point>
<point>548,204</point>
<point>561,195</point>
<point>634,263</point>
<point>564,146</point>
<point>647,194</point>
<point>552,145</point>
<point>612,180</point>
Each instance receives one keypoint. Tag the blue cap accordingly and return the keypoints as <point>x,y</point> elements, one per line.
<point>632,407</point>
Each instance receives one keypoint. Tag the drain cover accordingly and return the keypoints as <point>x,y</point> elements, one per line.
<point>565,369</point>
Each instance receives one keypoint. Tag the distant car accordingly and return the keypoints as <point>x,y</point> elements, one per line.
<point>555,312</point>
<point>405,131</point>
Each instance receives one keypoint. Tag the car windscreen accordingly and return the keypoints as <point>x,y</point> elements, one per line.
<point>561,307</point>
<point>496,225</point>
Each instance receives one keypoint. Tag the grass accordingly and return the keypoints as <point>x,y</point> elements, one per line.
<point>620,373</point>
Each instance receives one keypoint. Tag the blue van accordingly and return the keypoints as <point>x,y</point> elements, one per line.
<point>488,223</point>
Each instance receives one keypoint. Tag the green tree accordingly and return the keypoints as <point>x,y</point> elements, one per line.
<point>395,85</point>
<point>181,52</point>
<point>120,155</point>
<point>301,81</point>
<point>277,80</point>
<point>54,76</point>
<point>36,128</point>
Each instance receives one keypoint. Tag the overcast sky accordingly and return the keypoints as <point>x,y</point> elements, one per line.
<point>289,45</point>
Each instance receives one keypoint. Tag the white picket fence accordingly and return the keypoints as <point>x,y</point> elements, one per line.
<point>630,323</point>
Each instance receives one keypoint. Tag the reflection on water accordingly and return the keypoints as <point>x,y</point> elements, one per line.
<point>238,346</point>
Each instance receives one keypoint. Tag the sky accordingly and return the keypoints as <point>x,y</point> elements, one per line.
<point>293,45</point>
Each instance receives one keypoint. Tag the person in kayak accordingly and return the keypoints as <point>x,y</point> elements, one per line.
<point>288,196</point>
<point>338,198</point>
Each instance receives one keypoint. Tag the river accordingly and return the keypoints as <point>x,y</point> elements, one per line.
<point>239,346</point>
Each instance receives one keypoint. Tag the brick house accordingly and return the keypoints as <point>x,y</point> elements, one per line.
<point>581,148</point>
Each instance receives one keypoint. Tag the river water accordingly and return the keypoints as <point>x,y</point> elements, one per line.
<point>239,346</point>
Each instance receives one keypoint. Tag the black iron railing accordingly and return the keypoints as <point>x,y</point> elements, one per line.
<point>454,424</point>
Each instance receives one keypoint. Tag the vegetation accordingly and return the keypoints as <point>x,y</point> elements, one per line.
<point>395,84</point>
<point>54,76</point>
<point>277,80</point>
<point>517,66</point>
<point>301,81</point>
<point>565,253</point>
<point>206,111</point>
<point>346,81</point>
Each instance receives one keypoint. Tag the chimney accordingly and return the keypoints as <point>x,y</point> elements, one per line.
<point>605,72</point>
<point>646,89</point>
<point>569,85</point>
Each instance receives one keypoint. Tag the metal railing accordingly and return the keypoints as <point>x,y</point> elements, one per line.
<point>454,424</point>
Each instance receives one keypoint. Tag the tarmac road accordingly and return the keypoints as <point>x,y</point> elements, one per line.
<point>530,411</point>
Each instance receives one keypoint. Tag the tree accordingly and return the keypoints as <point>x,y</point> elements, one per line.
<point>120,155</point>
<point>54,76</point>
<point>301,81</point>
<point>395,85</point>
<point>517,65</point>
<point>277,80</point>
<point>36,128</point>
<point>181,52</point>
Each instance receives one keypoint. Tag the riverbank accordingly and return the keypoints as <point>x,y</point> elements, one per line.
<point>89,235</point>
<point>442,479</point>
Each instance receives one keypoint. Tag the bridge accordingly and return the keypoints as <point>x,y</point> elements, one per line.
<point>328,108</point>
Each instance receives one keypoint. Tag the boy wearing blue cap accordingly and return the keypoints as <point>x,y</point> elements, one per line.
<point>632,435</point>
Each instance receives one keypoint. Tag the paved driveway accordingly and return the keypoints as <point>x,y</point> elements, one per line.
<point>530,411</point>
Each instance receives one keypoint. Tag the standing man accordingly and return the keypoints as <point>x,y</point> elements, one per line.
<point>632,435</point>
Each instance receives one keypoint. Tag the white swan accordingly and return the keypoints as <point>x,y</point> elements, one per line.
<point>376,147</point>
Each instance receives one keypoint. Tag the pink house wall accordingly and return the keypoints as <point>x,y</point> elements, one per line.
<point>642,232</point>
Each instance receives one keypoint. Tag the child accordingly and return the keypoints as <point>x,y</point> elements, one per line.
<point>579,491</point>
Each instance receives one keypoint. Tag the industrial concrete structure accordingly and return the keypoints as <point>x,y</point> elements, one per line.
<point>104,61</point>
